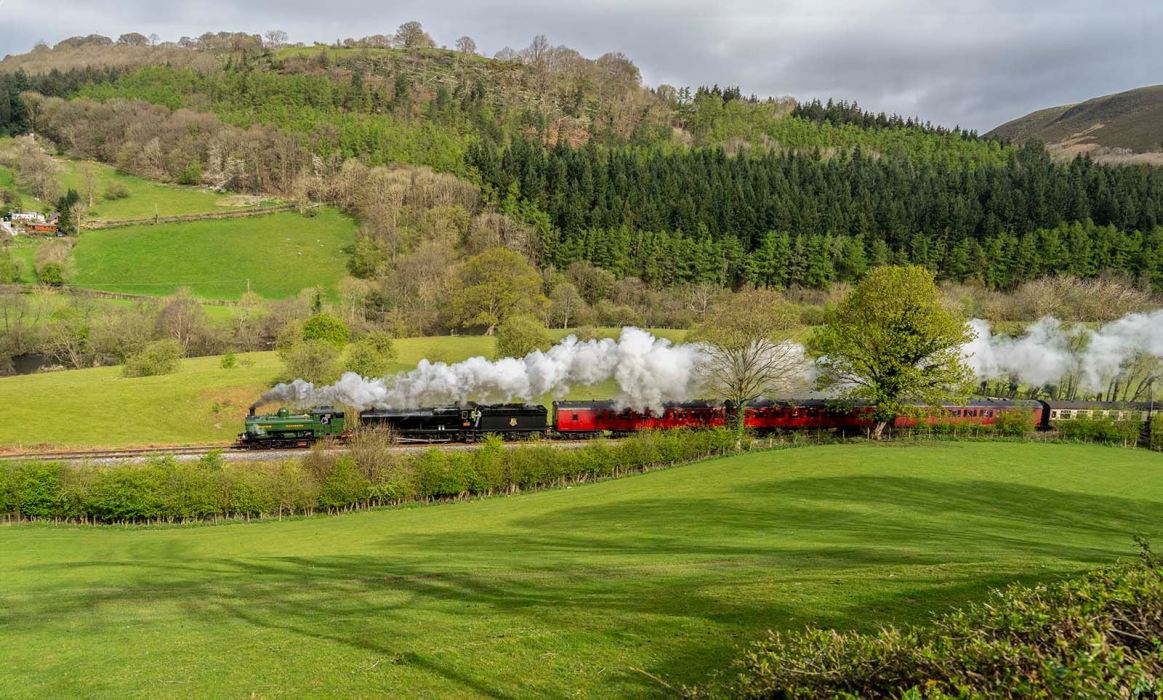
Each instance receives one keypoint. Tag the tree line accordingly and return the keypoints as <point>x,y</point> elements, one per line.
<point>780,219</point>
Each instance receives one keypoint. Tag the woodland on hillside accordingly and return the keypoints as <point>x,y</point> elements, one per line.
<point>633,204</point>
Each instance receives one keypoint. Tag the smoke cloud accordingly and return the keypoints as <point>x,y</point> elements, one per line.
<point>648,371</point>
<point>1049,350</point>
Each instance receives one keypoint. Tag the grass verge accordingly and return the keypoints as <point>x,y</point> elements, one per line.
<point>573,592</point>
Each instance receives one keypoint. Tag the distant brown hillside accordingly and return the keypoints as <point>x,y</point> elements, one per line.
<point>1127,126</point>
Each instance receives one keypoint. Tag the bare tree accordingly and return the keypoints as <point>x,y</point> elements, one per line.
<point>89,183</point>
<point>36,171</point>
<point>743,359</point>
<point>536,52</point>
<point>183,319</point>
<point>507,54</point>
<point>154,39</point>
<point>275,38</point>
<point>376,41</point>
<point>466,45</point>
<point>701,297</point>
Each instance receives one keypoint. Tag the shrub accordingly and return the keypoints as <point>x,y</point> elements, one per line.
<point>1104,430</point>
<point>1014,423</point>
<point>51,273</point>
<point>11,269</point>
<point>191,174</point>
<point>813,315</point>
<point>115,191</point>
<point>438,475</point>
<point>585,333</point>
<point>520,335</point>
<point>326,328</point>
<point>158,357</point>
<point>1157,432</point>
<point>371,355</point>
<point>1095,636</point>
<point>229,360</point>
<point>344,486</point>
<point>35,491</point>
<point>316,361</point>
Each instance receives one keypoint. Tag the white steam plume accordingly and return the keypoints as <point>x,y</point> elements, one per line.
<point>649,371</point>
<point>1049,350</point>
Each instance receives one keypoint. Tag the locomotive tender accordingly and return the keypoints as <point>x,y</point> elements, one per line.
<point>585,419</point>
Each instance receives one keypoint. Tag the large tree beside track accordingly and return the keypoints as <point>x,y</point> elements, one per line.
<point>893,342</point>
<point>744,357</point>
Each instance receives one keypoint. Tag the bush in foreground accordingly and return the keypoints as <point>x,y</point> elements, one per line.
<point>1096,636</point>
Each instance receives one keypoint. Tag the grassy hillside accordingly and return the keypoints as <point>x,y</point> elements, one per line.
<point>574,592</point>
<point>280,254</point>
<point>200,403</point>
<point>146,198</point>
<point>1131,120</point>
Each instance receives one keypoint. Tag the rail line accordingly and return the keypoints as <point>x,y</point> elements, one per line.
<point>119,453</point>
<point>231,452</point>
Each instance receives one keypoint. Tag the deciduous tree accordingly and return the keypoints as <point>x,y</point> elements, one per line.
<point>744,355</point>
<point>893,342</point>
<point>520,335</point>
<point>411,35</point>
<point>494,285</point>
<point>466,45</point>
<point>565,304</point>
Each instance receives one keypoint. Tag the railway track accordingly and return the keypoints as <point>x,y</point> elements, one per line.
<point>231,452</point>
<point>121,453</point>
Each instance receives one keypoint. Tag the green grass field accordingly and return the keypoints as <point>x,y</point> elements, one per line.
<point>146,197</point>
<point>279,254</point>
<point>572,592</point>
<point>201,402</point>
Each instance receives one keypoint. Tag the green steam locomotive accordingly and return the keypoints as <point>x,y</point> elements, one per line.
<point>286,429</point>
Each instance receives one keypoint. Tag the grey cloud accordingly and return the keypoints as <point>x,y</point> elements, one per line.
<point>978,64</point>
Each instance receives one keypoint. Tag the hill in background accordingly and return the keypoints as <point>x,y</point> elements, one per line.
<point>1125,127</point>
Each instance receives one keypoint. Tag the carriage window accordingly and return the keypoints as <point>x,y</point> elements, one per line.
<point>971,414</point>
<point>1054,413</point>
<point>575,416</point>
<point>1067,414</point>
<point>987,413</point>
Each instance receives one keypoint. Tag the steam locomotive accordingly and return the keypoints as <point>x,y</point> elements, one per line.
<point>586,419</point>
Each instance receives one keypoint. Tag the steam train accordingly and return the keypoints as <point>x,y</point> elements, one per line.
<point>586,419</point>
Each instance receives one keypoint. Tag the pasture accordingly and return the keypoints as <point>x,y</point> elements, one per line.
<point>199,403</point>
<point>277,254</point>
<point>569,592</point>
<point>145,198</point>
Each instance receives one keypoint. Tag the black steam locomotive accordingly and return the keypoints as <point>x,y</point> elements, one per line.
<point>460,423</point>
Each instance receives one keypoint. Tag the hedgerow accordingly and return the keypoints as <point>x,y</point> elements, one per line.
<point>1104,430</point>
<point>370,474</point>
<point>1095,636</point>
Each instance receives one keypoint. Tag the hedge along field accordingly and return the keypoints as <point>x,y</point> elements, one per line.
<point>566,592</point>
<point>372,474</point>
<point>200,403</point>
<point>280,254</point>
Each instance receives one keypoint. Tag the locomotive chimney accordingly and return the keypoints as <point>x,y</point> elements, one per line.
<point>253,406</point>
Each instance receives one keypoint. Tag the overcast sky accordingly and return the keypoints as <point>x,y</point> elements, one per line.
<point>978,65</point>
